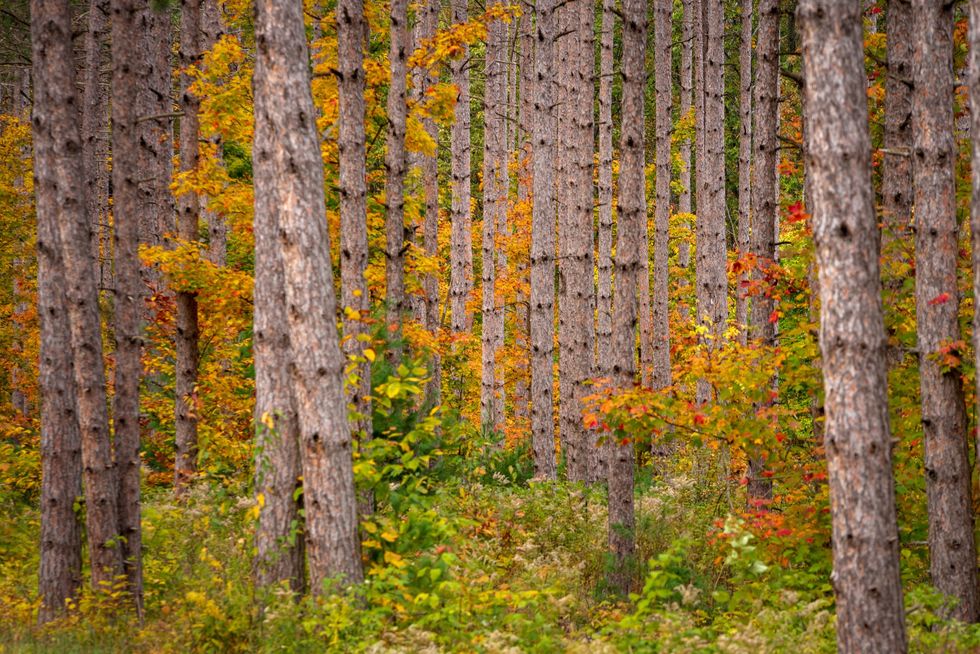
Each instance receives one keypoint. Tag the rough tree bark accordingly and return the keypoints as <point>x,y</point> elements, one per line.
<point>765,207</point>
<point>605,187</point>
<point>973,82</point>
<point>952,549</point>
<point>866,580</point>
<point>896,174</point>
<point>212,29</point>
<point>663,41</point>
<point>396,163</point>
<point>628,267</point>
<point>744,165</point>
<point>127,210</point>
<point>289,169</point>
<point>461,253</point>
<point>95,127</point>
<point>494,207</point>
<point>155,127</point>
<point>59,176</point>
<point>59,576</point>
<point>354,296</point>
<point>686,91</point>
<point>542,328</point>
<point>188,215</point>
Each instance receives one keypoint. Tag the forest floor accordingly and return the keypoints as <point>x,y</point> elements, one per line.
<point>493,562</point>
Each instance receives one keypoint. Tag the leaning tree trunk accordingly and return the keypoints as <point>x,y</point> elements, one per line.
<point>396,163</point>
<point>59,176</point>
<point>663,33</point>
<point>866,579</point>
<point>128,296</point>
<point>603,334</point>
<point>59,576</point>
<point>896,174</point>
<point>712,278</point>
<point>494,205</point>
<point>289,170</point>
<point>744,167</point>
<point>764,203</point>
<point>952,549</point>
<point>542,328</point>
<point>188,215</point>
<point>628,266</point>
<point>461,252</point>
<point>354,295</point>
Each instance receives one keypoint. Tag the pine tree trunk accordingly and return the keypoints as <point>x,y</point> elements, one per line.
<point>461,253</point>
<point>155,127</point>
<point>188,216</point>
<point>663,39</point>
<point>605,237</point>
<point>542,327</point>
<point>866,580</point>
<point>628,267</point>
<point>355,298</point>
<point>95,126</point>
<point>576,289</point>
<point>494,213</point>
<point>896,174</point>
<point>212,29</point>
<point>289,169</point>
<point>684,147</point>
<point>127,209</point>
<point>973,82</point>
<point>744,166</point>
<point>59,170</point>
<point>951,541</point>
<point>712,279</point>
<point>59,576</point>
<point>396,163</point>
<point>765,207</point>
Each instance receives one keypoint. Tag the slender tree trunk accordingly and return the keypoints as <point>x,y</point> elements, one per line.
<point>952,549</point>
<point>663,39</point>
<point>712,279</point>
<point>973,81</point>
<point>461,253</point>
<point>155,127</point>
<point>896,174</point>
<point>59,576</point>
<point>59,170</point>
<point>744,166</point>
<point>629,252</point>
<point>866,580</point>
<point>212,29</point>
<point>95,126</point>
<point>542,328</point>
<point>128,297</point>
<point>494,205</point>
<point>188,216</point>
<point>354,296</point>
<point>605,237</point>
<point>765,207</point>
<point>684,148</point>
<point>396,163</point>
<point>576,327</point>
<point>289,169</point>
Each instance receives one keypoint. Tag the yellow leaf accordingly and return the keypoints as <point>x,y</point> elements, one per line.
<point>389,536</point>
<point>369,354</point>
<point>395,559</point>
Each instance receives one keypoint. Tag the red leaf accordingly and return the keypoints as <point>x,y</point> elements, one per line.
<point>773,317</point>
<point>942,298</point>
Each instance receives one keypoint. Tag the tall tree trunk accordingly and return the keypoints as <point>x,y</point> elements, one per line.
<point>494,212</point>
<point>605,237</point>
<point>542,327</point>
<point>95,125</point>
<point>629,253</point>
<point>155,127</point>
<point>188,216</point>
<point>744,166</point>
<point>128,297</point>
<point>396,164</point>
<point>355,298</point>
<point>765,208</point>
<point>576,327</point>
<point>896,174</point>
<point>289,169</point>
<point>973,81</point>
<point>952,549</point>
<point>712,279</point>
<point>684,148</point>
<point>59,167</point>
<point>663,39</point>
<point>212,29</point>
<point>59,576</point>
<point>461,253</point>
<point>866,577</point>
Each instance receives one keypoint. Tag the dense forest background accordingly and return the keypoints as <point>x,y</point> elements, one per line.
<point>451,326</point>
